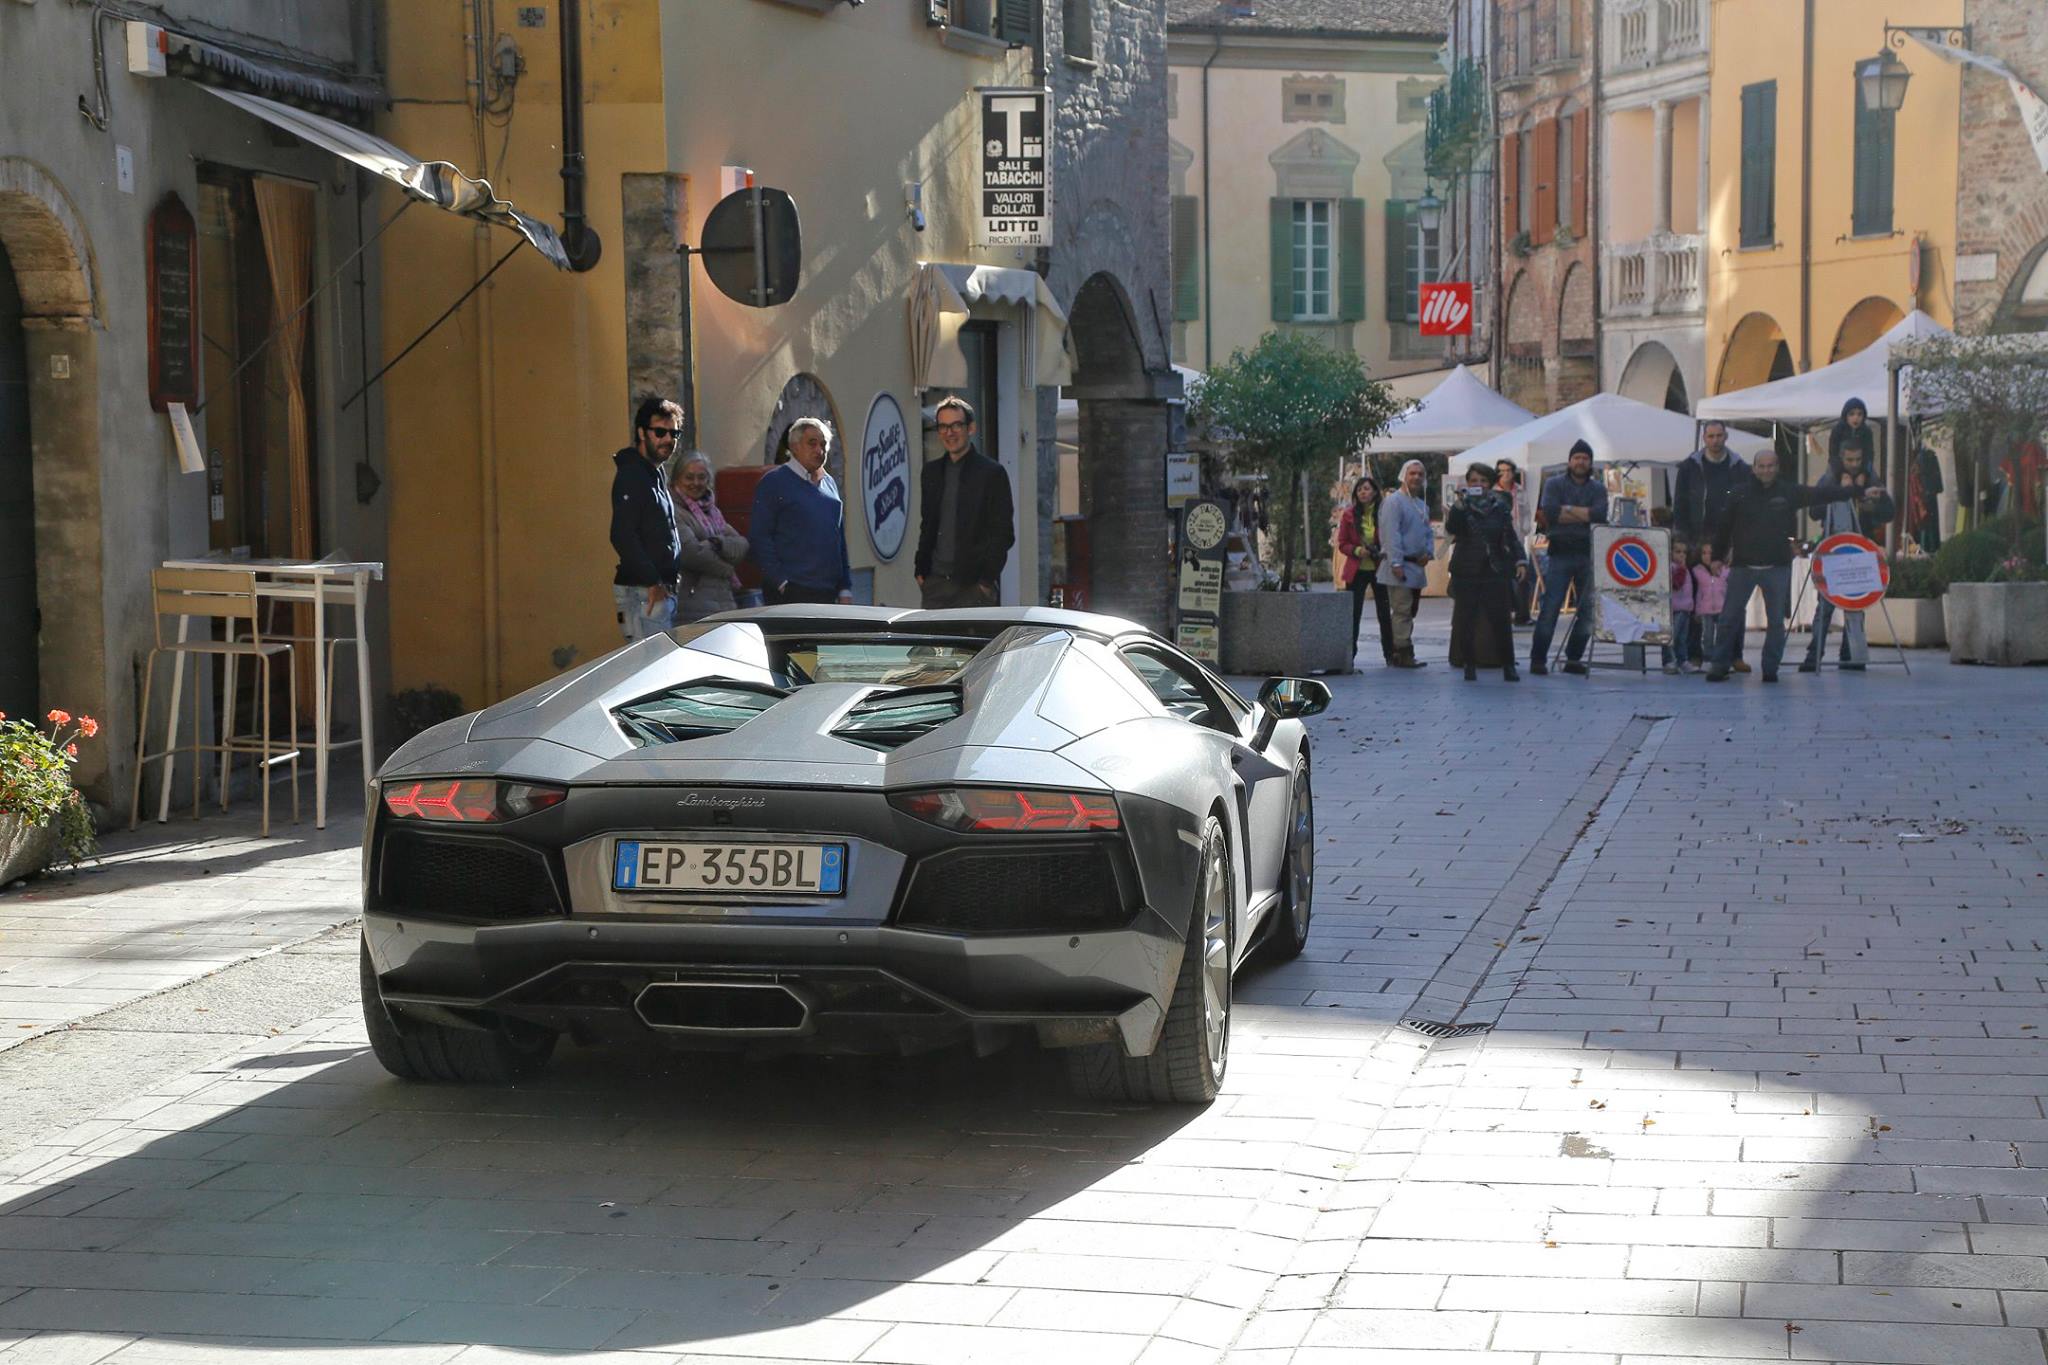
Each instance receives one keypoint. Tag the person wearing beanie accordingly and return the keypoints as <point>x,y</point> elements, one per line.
<point>1573,503</point>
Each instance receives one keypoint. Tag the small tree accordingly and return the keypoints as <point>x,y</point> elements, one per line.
<point>1990,395</point>
<point>1286,406</point>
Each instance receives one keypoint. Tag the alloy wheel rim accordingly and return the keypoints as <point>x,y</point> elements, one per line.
<point>1216,956</point>
<point>1302,856</point>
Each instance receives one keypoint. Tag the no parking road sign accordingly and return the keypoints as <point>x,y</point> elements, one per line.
<point>1631,562</point>
<point>1849,571</point>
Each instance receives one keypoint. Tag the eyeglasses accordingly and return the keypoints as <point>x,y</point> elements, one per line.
<point>661,433</point>
<point>953,426</point>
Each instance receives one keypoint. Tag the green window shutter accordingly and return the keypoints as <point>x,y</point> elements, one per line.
<point>1187,275</point>
<point>1400,284</point>
<point>1759,162</point>
<point>1017,22</point>
<point>1282,259</point>
<point>1875,131</point>
<point>1350,260</point>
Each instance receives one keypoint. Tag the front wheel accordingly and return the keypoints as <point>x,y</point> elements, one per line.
<point>421,1051</point>
<point>1194,1045</point>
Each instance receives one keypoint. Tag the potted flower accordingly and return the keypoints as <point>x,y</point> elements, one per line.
<point>43,819</point>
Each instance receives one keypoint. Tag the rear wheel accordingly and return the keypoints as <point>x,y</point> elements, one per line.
<point>1194,1045</point>
<point>1298,876</point>
<point>419,1051</point>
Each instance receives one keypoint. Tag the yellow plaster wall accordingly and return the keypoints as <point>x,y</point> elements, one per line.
<point>1755,40</point>
<point>524,388</point>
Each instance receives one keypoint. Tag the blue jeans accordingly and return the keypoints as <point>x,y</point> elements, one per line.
<point>1679,651</point>
<point>630,606</point>
<point>1855,649</point>
<point>1776,582</point>
<point>1562,573</point>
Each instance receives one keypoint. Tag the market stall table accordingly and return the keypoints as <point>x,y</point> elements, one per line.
<point>320,583</point>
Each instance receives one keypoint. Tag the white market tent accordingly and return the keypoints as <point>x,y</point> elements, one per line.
<point>1458,414</point>
<point>1817,396</point>
<point>1620,430</point>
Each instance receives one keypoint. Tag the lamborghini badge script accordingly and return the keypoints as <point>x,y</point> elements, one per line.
<point>724,802</point>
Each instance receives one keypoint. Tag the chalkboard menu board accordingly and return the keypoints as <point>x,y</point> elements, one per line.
<point>173,306</point>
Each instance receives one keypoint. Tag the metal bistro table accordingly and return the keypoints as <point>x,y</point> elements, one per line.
<point>323,583</point>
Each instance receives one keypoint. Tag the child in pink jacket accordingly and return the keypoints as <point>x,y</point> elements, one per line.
<point>1676,659</point>
<point>1709,599</point>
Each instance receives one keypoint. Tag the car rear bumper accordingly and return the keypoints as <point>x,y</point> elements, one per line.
<point>856,987</point>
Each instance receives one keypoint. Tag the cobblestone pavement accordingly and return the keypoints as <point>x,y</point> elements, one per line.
<point>1759,976</point>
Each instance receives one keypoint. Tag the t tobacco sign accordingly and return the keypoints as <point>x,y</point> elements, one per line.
<point>1016,168</point>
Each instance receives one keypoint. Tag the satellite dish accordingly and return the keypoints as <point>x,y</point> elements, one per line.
<point>752,248</point>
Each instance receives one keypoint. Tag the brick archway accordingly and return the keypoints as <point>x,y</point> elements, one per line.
<point>1123,439</point>
<point>52,264</point>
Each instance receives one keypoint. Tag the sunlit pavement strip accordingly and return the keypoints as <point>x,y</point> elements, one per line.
<point>1765,1085</point>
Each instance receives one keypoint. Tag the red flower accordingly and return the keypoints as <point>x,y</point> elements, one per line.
<point>71,749</point>
<point>88,727</point>
<point>60,717</point>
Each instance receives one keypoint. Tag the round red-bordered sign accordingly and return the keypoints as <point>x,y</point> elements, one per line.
<point>1846,542</point>
<point>1631,562</point>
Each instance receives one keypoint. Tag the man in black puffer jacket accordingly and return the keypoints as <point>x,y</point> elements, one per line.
<point>1755,538</point>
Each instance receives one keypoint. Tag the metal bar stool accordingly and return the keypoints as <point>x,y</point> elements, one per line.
<point>227,596</point>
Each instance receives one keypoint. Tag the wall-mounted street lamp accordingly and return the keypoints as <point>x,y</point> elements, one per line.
<point>1429,210</point>
<point>1883,78</point>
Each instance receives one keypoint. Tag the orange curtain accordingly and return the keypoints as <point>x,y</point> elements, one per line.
<point>285,211</point>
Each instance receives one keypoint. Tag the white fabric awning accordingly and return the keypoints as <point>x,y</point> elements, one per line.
<point>439,183</point>
<point>1457,414</point>
<point>1620,430</point>
<point>942,297</point>
<point>1817,396</point>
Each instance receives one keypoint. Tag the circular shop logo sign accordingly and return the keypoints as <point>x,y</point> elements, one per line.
<point>885,476</point>
<point>1206,526</point>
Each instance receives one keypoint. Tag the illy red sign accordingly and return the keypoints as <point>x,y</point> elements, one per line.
<point>1446,310</point>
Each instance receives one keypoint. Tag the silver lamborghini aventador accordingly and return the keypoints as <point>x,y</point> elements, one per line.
<point>845,829</point>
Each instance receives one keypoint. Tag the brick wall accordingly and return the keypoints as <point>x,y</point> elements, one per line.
<point>2002,200</point>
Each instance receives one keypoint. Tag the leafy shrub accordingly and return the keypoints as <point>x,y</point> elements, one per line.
<point>1914,576</point>
<point>1971,557</point>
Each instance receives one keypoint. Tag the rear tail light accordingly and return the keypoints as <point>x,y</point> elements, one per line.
<point>467,800</point>
<point>995,809</point>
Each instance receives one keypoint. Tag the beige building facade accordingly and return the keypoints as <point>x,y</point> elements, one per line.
<point>1297,154</point>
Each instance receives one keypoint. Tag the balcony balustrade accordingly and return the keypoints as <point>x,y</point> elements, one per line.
<point>1657,276</point>
<point>1647,33</point>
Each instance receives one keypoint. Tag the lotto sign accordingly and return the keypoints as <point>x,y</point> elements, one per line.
<point>1016,168</point>
<point>1849,571</point>
<point>1446,310</point>
<point>1631,562</point>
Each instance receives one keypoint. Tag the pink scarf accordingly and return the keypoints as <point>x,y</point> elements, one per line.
<point>705,514</point>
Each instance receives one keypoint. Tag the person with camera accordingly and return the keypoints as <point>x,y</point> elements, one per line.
<point>1573,503</point>
<point>1487,561</point>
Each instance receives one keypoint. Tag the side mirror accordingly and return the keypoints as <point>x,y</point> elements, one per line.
<point>1288,699</point>
<point>1293,698</point>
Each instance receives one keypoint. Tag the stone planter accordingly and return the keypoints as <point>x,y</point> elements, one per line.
<point>1916,621</point>
<point>1997,623</point>
<point>25,849</point>
<point>1292,633</point>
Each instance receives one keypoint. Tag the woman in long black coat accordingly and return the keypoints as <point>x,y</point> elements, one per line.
<point>1486,562</point>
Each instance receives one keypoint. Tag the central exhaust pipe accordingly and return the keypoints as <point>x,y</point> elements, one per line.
<point>729,1009</point>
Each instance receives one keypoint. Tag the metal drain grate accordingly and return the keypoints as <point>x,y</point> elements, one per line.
<point>1430,1028</point>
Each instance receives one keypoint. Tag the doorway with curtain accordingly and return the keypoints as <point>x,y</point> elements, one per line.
<point>257,372</point>
<point>19,626</point>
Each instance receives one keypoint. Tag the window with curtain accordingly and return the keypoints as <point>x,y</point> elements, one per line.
<point>1414,258</point>
<point>1759,163</point>
<point>1876,131</point>
<point>1565,169</point>
<point>1315,264</point>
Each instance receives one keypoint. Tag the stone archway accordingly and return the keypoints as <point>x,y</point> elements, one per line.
<point>2025,305</point>
<point>1124,427</point>
<point>50,260</point>
<point>1756,354</point>
<point>1578,374</point>
<point>805,395</point>
<point>1652,376</point>
<point>1863,324</point>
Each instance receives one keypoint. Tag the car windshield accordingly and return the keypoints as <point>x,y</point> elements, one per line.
<point>883,662</point>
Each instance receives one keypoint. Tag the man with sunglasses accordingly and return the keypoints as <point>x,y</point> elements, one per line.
<point>967,522</point>
<point>644,523</point>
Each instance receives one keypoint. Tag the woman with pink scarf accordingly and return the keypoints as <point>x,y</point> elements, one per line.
<point>710,548</point>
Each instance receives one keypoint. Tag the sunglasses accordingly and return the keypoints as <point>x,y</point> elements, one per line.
<point>953,426</point>
<point>661,433</point>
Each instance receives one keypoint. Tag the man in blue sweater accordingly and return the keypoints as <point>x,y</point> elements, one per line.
<point>798,528</point>
<point>1573,503</point>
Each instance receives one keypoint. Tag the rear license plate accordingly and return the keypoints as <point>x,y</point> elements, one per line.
<point>759,869</point>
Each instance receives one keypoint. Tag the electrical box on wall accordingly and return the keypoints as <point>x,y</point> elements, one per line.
<point>147,44</point>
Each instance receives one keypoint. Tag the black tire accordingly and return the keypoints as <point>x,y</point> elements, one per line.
<point>1289,934</point>
<point>419,1051</point>
<point>1194,1048</point>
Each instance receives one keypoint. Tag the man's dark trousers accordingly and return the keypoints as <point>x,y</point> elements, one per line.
<point>1562,572</point>
<point>939,592</point>
<point>797,592</point>
<point>1744,579</point>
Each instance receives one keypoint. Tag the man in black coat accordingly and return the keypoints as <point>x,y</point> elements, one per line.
<point>1705,482</point>
<point>967,524</point>
<point>1755,538</point>
<point>644,524</point>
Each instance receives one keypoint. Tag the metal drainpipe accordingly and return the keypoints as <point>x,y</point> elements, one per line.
<point>486,406</point>
<point>578,237</point>
<point>1806,198</point>
<point>1593,141</point>
<point>1208,275</point>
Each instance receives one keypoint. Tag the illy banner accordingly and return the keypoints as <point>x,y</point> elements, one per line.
<point>1446,310</point>
<point>1016,167</point>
